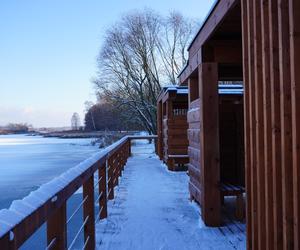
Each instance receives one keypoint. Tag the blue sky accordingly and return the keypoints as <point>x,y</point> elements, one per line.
<point>48,51</point>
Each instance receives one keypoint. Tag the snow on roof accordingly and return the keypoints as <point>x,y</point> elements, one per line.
<point>231,89</point>
<point>181,90</point>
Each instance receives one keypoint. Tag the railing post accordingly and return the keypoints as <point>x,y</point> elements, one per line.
<point>122,161</point>
<point>116,169</point>
<point>57,229</point>
<point>156,145</point>
<point>110,182</point>
<point>7,243</point>
<point>102,189</point>
<point>129,147</point>
<point>89,214</point>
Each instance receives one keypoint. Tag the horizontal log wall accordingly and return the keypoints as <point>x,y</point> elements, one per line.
<point>196,179</point>
<point>203,135</point>
<point>271,74</point>
<point>172,129</point>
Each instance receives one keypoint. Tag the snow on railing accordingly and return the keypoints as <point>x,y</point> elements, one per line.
<point>48,203</point>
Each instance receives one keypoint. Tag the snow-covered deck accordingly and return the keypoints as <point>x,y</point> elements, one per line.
<point>152,210</point>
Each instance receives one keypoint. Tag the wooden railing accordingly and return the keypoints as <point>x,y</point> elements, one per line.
<point>25,217</point>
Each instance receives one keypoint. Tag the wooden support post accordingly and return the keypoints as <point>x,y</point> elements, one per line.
<point>210,158</point>
<point>89,214</point>
<point>102,189</point>
<point>110,180</point>
<point>57,229</point>
<point>193,90</point>
<point>240,208</point>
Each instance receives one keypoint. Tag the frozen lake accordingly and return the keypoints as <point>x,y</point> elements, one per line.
<point>26,162</point>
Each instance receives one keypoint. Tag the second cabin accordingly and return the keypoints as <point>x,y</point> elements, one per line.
<point>172,127</point>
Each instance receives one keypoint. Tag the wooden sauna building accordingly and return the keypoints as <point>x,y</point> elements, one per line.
<point>172,106</point>
<point>256,43</point>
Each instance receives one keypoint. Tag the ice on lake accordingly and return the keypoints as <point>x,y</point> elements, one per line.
<point>27,162</point>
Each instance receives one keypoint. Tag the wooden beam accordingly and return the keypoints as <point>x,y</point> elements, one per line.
<point>193,89</point>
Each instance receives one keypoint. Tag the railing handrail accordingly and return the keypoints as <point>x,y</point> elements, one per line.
<point>40,204</point>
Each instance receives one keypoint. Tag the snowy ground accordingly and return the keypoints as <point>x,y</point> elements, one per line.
<point>151,210</point>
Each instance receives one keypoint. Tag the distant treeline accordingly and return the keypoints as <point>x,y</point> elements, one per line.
<point>15,128</point>
<point>105,116</point>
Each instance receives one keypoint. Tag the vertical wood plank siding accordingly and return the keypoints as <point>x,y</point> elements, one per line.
<point>271,58</point>
<point>246,67</point>
<point>294,14</point>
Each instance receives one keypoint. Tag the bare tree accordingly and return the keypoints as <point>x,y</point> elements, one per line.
<point>141,53</point>
<point>75,121</point>
<point>88,108</point>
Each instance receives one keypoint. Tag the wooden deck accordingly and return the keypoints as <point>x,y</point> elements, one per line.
<point>151,210</point>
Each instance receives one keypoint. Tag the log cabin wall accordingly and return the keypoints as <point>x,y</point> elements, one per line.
<point>172,127</point>
<point>219,58</point>
<point>271,64</point>
<point>204,169</point>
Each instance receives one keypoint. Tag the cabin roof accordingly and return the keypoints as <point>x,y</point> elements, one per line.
<point>174,90</point>
<point>203,23</point>
<point>183,90</point>
<point>220,29</point>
